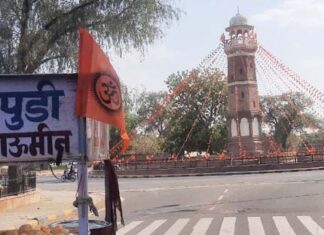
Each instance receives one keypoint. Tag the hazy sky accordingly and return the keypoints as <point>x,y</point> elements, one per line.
<point>293,30</point>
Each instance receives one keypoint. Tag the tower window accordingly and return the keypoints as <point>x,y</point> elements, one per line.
<point>241,71</point>
<point>254,104</point>
<point>242,95</point>
<point>232,90</point>
<point>251,65</point>
<point>232,77</point>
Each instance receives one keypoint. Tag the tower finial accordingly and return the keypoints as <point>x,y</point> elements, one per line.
<point>238,10</point>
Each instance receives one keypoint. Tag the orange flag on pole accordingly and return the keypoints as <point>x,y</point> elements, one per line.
<point>98,89</point>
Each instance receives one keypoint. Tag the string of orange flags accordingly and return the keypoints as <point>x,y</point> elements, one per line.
<point>283,76</point>
<point>287,85</point>
<point>294,76</point>
<point>214,61</point>
<point>304,119</point>
<point>289,119</point>
<point>222,95</point>
<point>273,144</point>
<point>195,121</point>
<point>221,63</point>
<point>302,114</point>
<point>270,94</point>
<point>161,107</point>
<point>221,99</point>
<point>190,86</point>
<point>172,115</point>
<point>182,85</point>
<point>204,105</point>
<point>277,149</point>
<point>299,83</point>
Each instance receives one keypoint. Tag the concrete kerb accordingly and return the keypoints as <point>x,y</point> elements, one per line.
<point>215,173</point>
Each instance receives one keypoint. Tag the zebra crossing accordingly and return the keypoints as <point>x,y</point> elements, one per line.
<point>282,225</point>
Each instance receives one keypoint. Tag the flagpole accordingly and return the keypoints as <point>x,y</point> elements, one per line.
<point>83,180</point>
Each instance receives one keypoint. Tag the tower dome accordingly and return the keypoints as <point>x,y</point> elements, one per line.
<point>238,20</point>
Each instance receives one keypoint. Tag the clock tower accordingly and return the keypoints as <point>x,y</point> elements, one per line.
<point>244,113</point>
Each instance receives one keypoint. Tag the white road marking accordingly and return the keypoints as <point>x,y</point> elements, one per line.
<point>283,226</point>
<point>152,227</point>
<point>255,226</point>
<point>226,190</point>
<point>228,226</point>
<point>311,225</point>
<point>177,227</point>
<point>208,186</point>
<point>202,226</point>
<point>218,199</point>
<point>128,227</point>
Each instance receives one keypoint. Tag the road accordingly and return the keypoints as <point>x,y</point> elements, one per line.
<point>275,204</point>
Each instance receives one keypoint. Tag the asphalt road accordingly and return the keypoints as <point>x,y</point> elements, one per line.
<point>277,203</point>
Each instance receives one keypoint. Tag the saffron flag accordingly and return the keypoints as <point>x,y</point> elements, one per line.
<point>98,89</point>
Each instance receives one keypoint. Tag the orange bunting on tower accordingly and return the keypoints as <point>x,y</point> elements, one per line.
<point>98,89</point>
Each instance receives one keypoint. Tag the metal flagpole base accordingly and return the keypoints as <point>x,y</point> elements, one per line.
<point>83,208</point>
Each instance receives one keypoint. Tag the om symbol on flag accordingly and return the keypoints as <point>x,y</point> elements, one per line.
<point>107,91</point>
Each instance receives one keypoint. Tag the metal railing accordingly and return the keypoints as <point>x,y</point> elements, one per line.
<point>23,184</point>
<point>213,162</point>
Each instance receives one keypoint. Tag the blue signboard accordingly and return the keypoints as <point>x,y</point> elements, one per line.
<point>37,120</point>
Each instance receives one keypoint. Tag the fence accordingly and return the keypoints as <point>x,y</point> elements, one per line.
<point>213,162</point>
<point>25,183</point>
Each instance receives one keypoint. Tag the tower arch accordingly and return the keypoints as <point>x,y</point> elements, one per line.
<point>244,127</point>
<point>233,128</point>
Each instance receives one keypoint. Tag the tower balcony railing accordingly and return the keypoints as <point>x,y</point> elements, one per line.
<point>234,44</point>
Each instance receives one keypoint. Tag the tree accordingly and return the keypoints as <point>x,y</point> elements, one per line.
<point>150,106</point>
<point>147,144</point>
<point>287,114</point>
<point>44,33</point>
<point>197,114</point>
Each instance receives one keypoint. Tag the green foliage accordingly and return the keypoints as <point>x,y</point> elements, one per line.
<point>150,106</point>
<point>44,33</point>
<point>287,114</point>
<point>197,112</point>
<point>147,144</point>
<point>195,106</point>
<point>315,139</point>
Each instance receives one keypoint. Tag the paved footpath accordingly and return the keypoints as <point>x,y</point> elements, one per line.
<point>53,206</point>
